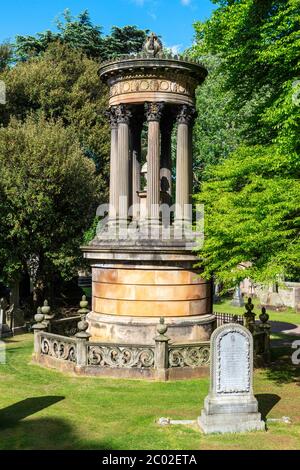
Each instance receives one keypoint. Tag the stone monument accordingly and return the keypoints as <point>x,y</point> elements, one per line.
<point>139,279</point>
<point>237,299</point>
<point>230,405</point>
<point>5,331</point>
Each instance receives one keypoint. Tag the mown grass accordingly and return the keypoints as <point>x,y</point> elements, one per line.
<point>44,409</point>
<point>288,316</point>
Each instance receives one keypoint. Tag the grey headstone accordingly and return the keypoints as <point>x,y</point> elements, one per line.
<point>4,328</point>
<point>237,299</point>
<point>230,405</point>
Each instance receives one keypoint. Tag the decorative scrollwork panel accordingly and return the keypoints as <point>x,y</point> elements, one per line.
<point>189,356</point>
<point>58,348</point>
<point>120,356</point>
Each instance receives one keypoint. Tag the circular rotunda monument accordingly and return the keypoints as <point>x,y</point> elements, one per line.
<point>143,264</point>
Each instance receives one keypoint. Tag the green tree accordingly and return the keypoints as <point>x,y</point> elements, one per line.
<point>216,132</point>
<point>252,197</point>
<point>5,55</point>
<point>124,40</point>
<point>48,196</point>
<point>63,84</point>
<point>81,34</point>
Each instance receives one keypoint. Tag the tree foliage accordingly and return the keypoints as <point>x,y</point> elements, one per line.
<point>252,196</point>
<point>55,96</point>
<point>81,34</point>
<point>48,195</point>
<point>63,84</point>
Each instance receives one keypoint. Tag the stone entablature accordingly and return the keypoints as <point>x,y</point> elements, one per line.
<point>138,88</point>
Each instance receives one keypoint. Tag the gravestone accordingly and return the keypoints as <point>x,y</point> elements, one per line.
<point>237,299</point>
<point>17,320</point>
<point>4,328</point>
<point>230,405</point>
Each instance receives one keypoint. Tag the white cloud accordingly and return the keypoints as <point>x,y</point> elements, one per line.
<point>175,49</point>
<point>185,2</point>
<point>139,2</point>
<point>152,15</point>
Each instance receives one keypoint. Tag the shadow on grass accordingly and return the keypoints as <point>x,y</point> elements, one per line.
<point>47,434</point>
<point>40,433</point>
<point>266,401</point>
<point>281,370</point>
<point>279,326</point>
<point>12,414</point>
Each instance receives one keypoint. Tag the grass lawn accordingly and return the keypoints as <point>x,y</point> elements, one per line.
<point>288,316</point>
<point>44,409</point>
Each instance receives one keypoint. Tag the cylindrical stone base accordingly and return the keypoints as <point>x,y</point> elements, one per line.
<point>142,330</point>
<point>133,289</point>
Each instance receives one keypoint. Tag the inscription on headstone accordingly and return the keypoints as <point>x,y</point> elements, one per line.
<point>230,405</point>
<point>233,363</point>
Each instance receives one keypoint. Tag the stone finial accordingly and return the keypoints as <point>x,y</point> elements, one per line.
<point>264,317</point>
<point>84,310</point>
<point>161,330</point>
<point>46,310</point>
<point>249,306</point>
<point>250,315</point>
<point>82,329</point>
<point>39,318</point>
<point>152,45</point>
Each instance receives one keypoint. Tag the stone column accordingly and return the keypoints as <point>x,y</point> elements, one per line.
<point>123,115</point>
<point>166,158</point>
<point>153,113</point>
<point>113,180</point>
<point>183,163</point>
<point>136,132</point>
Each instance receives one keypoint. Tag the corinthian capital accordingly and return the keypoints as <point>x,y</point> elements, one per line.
<point>123,113</point>
<point>154,111</point>
<point>111,116</point>
<point>186,114</point>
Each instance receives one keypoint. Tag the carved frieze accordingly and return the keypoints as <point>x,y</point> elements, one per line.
<point>181,84</point>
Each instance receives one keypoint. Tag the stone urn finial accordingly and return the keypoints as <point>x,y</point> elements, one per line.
<point>82,330</point>
<point>39,317</point>
<point>161,330</point>
<point>153,44</point>
<point>83,311</point>
<point>250,315</point>
<point>264,317</point>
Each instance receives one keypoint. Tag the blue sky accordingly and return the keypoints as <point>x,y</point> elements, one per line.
<point>172,19</point>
